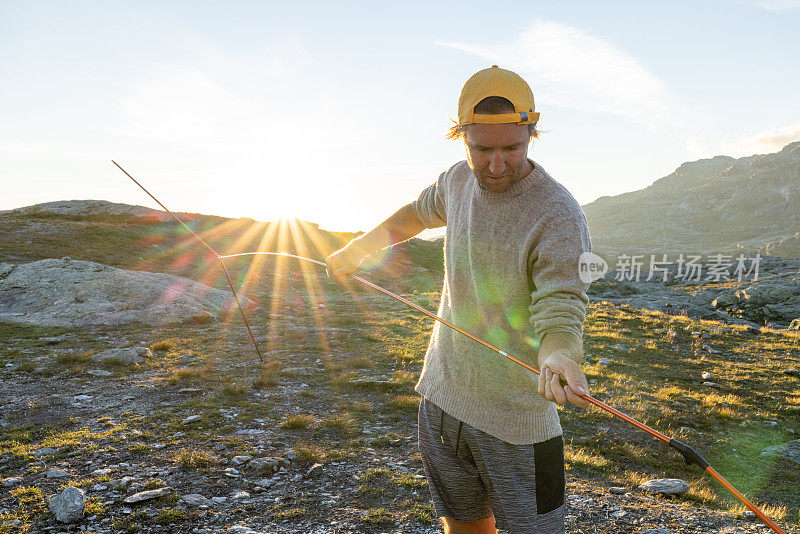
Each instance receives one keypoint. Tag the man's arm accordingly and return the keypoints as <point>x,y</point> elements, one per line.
<point>558,304</point>
<point>401,226</point>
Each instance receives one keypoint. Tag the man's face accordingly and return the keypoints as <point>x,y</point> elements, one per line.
<point>497,154</point>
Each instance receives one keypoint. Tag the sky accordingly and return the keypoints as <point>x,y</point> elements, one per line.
<point>336,112</point>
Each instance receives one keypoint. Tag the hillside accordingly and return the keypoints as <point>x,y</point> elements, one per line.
<point>722,204</point>
<point>180,428</point>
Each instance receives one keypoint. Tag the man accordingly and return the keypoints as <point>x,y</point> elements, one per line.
<point>489,434</point>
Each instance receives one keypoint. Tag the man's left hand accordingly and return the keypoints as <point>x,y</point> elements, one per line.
<point>557,367</point>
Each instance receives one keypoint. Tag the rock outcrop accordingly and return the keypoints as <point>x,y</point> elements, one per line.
<point>75,293</point>
<point>90,208</point>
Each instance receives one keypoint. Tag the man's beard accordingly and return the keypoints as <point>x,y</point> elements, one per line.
<point>485,184</point>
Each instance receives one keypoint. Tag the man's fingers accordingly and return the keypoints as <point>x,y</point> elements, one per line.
<point>576,387</point>
<point>541,382</point>
<point>557,389</point>
<point>575,399</point>
<point>546,384</point>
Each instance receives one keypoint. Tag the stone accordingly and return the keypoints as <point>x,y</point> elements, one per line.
<point>665,486</point>
<point>122,483</point>
<point>219,500</point>
<point>619,514</point>
<point>126,356</point>
<point>147,495</point>
<point>11,481</point>
<point>191,391</point>
<point>44,451</point>
<point>239,495</point>
<point>604,362</point>
<point>711,385</point>
<point>792,372</point>
<point>51,292</point>
<point>654,531</point>
<point>706,375</point>
<point>789,451</point>
<point>232,472</point>
<point>616,490</point>
<point>56,473</point>
<point>710,350</point>
<point>99,372</point>
<point>191,419</point>
<point>264,466</point>
<point>69,505</point>
<point>315,471</point>
<point>241,459</point>
<point>195,499</point>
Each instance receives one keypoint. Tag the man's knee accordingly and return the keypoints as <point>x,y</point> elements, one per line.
<point>479,526</point>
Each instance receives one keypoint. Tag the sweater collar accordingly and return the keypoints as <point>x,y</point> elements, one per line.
<point>515,190</point>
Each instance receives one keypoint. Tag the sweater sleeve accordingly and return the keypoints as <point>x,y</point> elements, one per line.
<point>558,300</point>
<point>430,207</point>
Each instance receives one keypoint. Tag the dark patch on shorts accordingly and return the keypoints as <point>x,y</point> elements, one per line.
<point>550,483</point>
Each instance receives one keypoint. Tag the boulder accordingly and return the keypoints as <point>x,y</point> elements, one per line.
<point>195,499</point>
<point>69,505</point>
<point>789,451</point>
<point>124,356</point>
<point>665,486</point>
<point>147,495</point>
<point>57,292</point>
<point>91,209</point>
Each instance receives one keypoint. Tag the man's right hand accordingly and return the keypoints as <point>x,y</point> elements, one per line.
<point>345,260</point>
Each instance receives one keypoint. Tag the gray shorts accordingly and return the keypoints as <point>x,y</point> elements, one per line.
<point>472,475</point>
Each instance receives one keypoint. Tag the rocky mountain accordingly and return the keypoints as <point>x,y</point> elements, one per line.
<point>718,205</point>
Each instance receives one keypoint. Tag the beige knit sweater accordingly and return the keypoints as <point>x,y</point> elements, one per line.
<point>511,276</point>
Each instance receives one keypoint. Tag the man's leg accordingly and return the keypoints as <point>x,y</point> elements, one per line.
<point>481,526</point>
<point>457,491</point>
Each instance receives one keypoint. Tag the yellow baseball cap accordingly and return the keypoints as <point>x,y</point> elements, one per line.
<point>495,81</point>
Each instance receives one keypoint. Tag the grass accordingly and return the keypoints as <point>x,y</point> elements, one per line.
<point>658,382</point>
<point>309,452</point>
<point>269,375</point>
<point>378,516</point>
<point>300,421</point>
<point>289,514</point>
<point>193,376</point>
<point>419,512</point>
<point>195,459</point>
<point>341,423</point>
<point>171,515</point>
<point>153,483</point>
<point>163,346</point>
<point>405,402</point>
